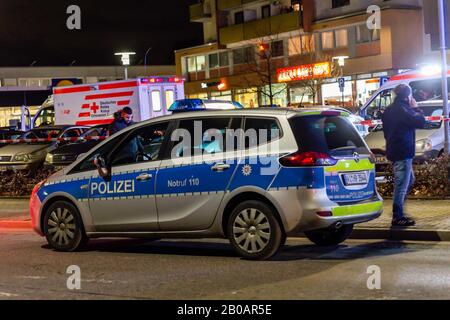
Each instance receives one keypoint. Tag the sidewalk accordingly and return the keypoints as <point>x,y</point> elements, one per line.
<point>432,217</point>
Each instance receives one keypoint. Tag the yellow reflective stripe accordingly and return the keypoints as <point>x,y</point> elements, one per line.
<point>351,165</point>
<point>357,209</point>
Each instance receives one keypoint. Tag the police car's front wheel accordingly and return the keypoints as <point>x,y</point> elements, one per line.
<point>254,230</point>
<point>63,227</point>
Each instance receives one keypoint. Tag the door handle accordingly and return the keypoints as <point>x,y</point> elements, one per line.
<point>221,167</point>
<point>144,177</point>
<point>84,187</point>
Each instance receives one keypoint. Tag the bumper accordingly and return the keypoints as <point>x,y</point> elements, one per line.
<point>4,167</point>
<point>35,208</point>
<point>56,166</point>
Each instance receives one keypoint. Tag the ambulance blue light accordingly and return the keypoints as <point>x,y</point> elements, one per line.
<point>203,105</point>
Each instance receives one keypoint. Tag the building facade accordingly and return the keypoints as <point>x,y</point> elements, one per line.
<point>293,52</point>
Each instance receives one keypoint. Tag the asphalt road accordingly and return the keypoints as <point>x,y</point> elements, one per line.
<point>209,269</point>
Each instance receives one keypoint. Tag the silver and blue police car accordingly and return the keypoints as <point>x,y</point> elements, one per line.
<point>290,171</point>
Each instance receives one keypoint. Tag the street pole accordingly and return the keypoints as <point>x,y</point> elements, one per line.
<point>126,73</point>
<point>443,49</point>
<point>145,59</point>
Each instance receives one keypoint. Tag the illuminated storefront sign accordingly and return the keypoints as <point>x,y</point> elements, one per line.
<point>304,72</point>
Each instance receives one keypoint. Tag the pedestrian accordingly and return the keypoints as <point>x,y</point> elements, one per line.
<point>400,121</point>
<point>122,119</point>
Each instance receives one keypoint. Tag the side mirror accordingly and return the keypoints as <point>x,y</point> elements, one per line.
<point>100,164</point>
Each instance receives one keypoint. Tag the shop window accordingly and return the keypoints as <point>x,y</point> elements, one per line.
<point>239,17</point>
<point>327,40</point>
<point>170,98</point>
<point>277,48</point>
<point>156,100</point>
<point>341,38</point>
<point>265,11</point>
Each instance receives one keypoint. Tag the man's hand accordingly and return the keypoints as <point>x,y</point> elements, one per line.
<point>413,103</point>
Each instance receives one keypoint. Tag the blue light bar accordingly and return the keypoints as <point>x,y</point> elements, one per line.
<point>203,105</point>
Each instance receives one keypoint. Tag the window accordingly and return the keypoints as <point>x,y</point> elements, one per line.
<point>196,63</point>
<point>265,11</point>
<point>191,64</point>
<point>244,55</point>
<point>340,3</point>
<point>277,48</point>
<point>379,104</point>
<point>330,135</point>
<point>201,63</point>
<point>170,98</point>
<point>46,117</point>
<point>213,60</point>
<point>341,38</point>
<point>328,40</point>
<point>142,145</point>
<point>295,46</point>
<point>363,34</point>
<point>308,44</point>
<point>239,17</point>
<point>156,100</point>
<point>215,136</point>
<point>72,133</point>
<point>223,59</point>
<point>259,131</point>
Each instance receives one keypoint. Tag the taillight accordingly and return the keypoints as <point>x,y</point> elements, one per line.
<point>307,159</point>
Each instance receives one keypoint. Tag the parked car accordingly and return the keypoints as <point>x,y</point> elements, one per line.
<point>429,141</point>
<point>67,153</point>
<point>9,134</point>
<point>309,172</point>
<point>28,157</point>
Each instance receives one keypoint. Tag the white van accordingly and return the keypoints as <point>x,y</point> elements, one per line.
<point>426,84</point>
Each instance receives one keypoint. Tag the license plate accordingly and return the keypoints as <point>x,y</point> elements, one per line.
<point>352,179</point>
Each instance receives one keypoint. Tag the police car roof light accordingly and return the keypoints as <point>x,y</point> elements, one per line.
<point>203,105</point>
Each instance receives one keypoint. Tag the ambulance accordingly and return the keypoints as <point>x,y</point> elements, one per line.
<point>426,83</point>
<point>95,104</point>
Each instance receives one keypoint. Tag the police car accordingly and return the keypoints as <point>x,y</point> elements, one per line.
<point>290,171</point>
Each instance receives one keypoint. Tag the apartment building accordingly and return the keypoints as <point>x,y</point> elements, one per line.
<point>305,37</point>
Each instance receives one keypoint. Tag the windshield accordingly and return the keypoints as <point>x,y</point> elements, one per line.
<point>96,132</point>
<point>335,136</point>
<point>41,134</point>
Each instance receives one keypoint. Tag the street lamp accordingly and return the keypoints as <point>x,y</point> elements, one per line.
<point>341,62</point>
<point>125,57</point>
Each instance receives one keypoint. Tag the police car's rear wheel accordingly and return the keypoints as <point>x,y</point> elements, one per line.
<point>63,227</point>
<point>330,237</point>
<point>254,230</point>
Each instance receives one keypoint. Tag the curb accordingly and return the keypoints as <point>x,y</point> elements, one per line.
<point>14,224</point>
<point>401,234</point>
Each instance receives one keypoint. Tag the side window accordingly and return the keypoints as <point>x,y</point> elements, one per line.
<point>104,150</point>
<point>72,133</point>
<point>216,136</point>
<point>425,90</point>
<point>143,145</point>
<point>156,100</point>
<point>259,131</point>
<point>379,104</point>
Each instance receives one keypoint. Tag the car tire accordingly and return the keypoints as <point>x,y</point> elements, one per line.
<point>330,237</point>
<point>63,227</point>
<point>254,230</point>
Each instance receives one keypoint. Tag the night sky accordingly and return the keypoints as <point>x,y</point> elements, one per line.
<point>35,30</point>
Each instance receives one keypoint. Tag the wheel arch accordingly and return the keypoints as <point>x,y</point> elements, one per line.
<point>245,196</point>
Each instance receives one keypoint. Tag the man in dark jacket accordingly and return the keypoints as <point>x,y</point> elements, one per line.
<point>132,148</point>
<point>400,121</point>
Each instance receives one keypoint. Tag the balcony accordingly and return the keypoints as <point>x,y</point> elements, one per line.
<point>198,13</point>
<point>260,28</point>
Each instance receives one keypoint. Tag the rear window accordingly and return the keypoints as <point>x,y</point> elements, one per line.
<point>335,136</point>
